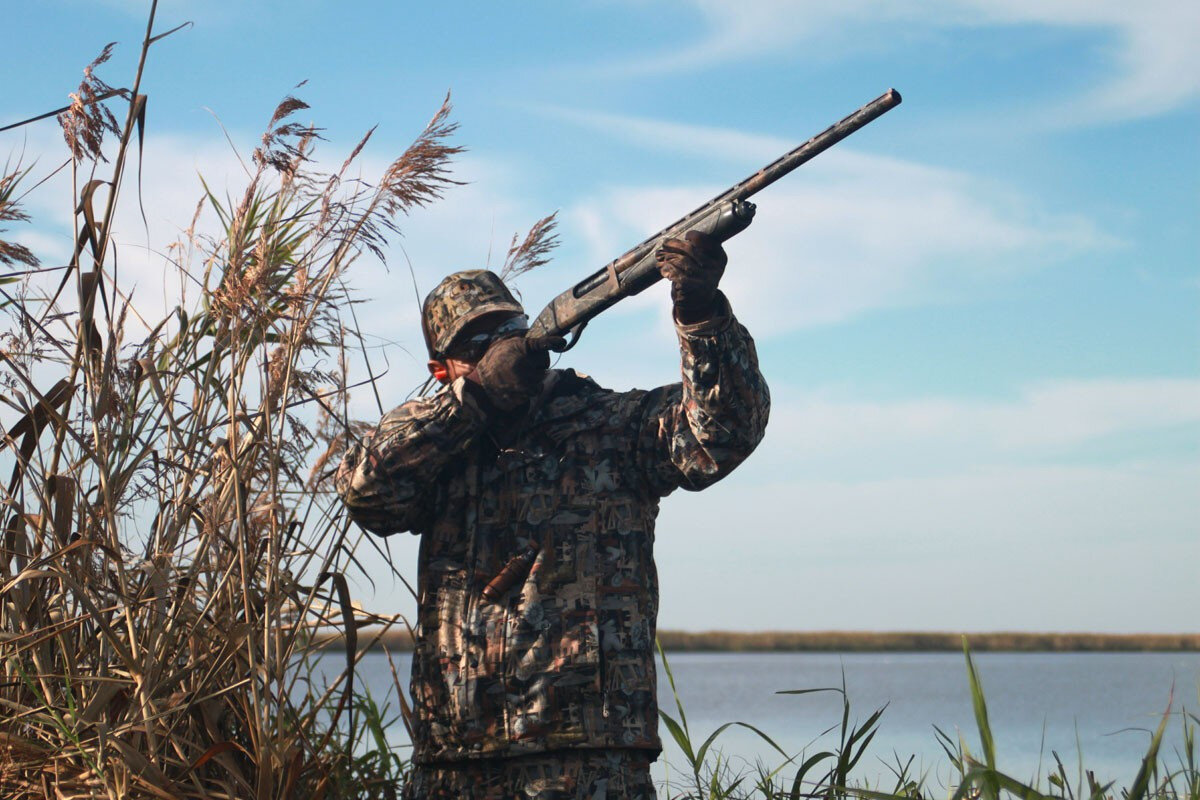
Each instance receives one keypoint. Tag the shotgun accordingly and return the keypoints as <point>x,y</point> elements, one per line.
<point>725,216</point>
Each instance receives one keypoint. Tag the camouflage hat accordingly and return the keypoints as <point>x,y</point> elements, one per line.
<point>457,301</point>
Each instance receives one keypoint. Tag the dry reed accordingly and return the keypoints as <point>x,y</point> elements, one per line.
<point>168,556</point>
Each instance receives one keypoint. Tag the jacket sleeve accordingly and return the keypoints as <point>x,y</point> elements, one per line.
<point>695,432</point>
<point>388,481</point>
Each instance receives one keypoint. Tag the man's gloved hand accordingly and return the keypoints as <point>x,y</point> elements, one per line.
<point>511,370</point>
<point>694,266</point>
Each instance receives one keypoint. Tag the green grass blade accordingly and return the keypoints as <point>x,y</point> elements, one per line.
<point>980,705</point>
<point>680,736</point>
<point>990,785</point>
<point>712,737</point>
<point>808,764</point>
<point>1141,782</point>
<point>671,680</point>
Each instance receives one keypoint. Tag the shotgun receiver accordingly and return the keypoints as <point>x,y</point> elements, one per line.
<point>725,216</point>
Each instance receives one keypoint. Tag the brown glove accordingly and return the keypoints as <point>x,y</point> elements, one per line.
<point>694,266</point>
<point>511,370</point>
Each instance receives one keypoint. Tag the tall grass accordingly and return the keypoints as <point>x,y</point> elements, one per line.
<point>169,549</point>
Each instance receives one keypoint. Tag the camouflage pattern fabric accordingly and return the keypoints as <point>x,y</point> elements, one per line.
<point>573,775</point>
<point>457,301</point>
<point>562,657</point>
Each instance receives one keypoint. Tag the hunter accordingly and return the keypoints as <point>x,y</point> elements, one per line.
<point>535,493</point>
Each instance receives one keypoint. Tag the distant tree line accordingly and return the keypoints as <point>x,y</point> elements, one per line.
<point>889,641</point>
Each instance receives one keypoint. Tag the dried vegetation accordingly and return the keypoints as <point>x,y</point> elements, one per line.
<point>169,550</point>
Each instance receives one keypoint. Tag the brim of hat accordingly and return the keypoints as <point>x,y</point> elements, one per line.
<point>452,332</point>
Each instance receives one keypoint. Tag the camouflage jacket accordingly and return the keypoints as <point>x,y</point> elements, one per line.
<point>564,656</point>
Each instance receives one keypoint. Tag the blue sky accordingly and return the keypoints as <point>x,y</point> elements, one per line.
<point>978,316</point>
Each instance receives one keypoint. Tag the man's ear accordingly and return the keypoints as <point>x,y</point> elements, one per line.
<point>439,371</point>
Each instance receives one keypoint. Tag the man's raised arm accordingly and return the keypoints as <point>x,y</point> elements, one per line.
<point>697,431</point>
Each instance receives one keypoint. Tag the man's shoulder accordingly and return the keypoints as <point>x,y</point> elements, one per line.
<point>569,382</point>
<point>571,394</point>
<point>567,391</point>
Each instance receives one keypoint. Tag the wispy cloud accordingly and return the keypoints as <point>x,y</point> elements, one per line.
<point>858,233</point>
<point>823,432</point>
<point>1155,65</point>
<point>675,137</point>
<point>1048,547</point>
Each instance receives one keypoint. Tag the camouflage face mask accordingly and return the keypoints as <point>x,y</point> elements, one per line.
<point>471,348</point>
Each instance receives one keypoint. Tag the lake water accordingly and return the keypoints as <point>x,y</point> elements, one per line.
<point>1108,703</point>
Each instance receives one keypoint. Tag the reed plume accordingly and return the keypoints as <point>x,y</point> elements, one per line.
<point>533,251</point>
<point>13,253</point>
<point>87,119</point>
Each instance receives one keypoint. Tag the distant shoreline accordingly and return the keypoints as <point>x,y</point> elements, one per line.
<point>874,642</point>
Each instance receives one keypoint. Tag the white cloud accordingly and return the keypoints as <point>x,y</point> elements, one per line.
<point>858,233</point>
<point>1021,548</point>
<point>948,514</point>
<point>674,137</point>
<point>819,433</point>
<point>1156,66</point>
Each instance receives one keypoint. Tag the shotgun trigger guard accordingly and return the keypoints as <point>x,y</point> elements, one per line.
<point>575,333</point>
